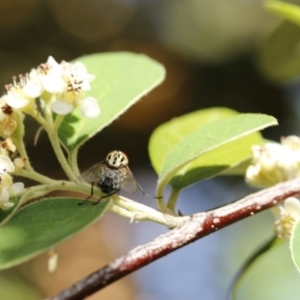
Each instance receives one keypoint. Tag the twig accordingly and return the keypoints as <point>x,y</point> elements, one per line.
<point>198,225</point>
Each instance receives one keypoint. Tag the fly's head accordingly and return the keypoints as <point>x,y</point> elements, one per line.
<point>116,159</point>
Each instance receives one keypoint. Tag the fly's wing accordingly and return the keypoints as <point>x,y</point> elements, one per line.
<point>93,173</point>
<point>128,184</point>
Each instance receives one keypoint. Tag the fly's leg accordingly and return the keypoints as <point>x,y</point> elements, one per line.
<point>106,196</point>
<point>90,196</point>
<point>146,193</point>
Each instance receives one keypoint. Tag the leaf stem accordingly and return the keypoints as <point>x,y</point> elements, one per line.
<point>145,213</point>
<point>173,200</point>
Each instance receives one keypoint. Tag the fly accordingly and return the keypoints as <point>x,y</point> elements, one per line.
<point>111,175</point>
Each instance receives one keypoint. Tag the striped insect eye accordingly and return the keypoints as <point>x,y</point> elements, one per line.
<point>116,159</point>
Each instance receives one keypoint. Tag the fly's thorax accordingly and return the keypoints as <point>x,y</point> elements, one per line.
<point>116,159</point>
<point>115,174</point>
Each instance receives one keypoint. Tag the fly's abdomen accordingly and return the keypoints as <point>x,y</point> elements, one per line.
<point>109,185</point>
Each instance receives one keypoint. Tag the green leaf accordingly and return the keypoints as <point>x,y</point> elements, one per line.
<point>295,244</point>
<point>215,161</point>
<point>121,80</point>
<point>271,276</point>
<point>167,135</point>
<point>288,11</point>
<point>217,146</point>
<point>43,224</point>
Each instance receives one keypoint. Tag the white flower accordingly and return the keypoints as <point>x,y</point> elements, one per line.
<point>286,215</point>
<point>292,142</point>
<point>51,76</point>
<point>77,77</point>
<point>75,80</point>
<point>7,187</point>
<point>15,95</point>
<point>273,163</point>
<point>58,85</point>
<point>8,123</point>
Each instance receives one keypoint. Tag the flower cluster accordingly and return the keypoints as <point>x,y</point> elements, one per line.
<point>61,86</point>
<point>7,187</point>
<point>286,216</point>
<point>273,163</point>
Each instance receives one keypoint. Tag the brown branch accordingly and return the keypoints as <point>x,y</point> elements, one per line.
<point>199,225</point>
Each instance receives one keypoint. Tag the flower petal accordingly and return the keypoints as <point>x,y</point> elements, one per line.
<point>292,206</point>
<point>51,62</point>
<point>61,108</point>
<point>53,82</point>
<point>14,101</point>
<point>90,108</point>
<point>33,88</point>
<point>6,165</point>
<point>4,196</point>
<point>17,187</point>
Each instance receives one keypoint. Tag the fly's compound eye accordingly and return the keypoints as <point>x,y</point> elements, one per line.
<point>116,159</point>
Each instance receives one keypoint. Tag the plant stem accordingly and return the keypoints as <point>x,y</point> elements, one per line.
<point>52,131</point>
<point>73,158</point>
<point>57,122</point>
<point>55,142</point>
<point>173,200</point>
<point>145,213</point>
<point>196,227</point>
<point>32,174</point>
<point>28,170</point>
<point>160,201</point>
<point>125,207</point>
